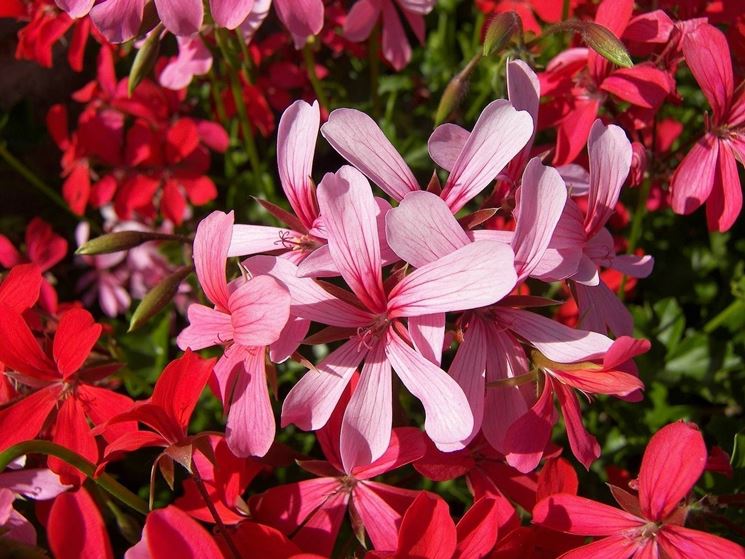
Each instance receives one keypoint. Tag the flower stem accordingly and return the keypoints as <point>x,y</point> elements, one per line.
<point>636,225</point>
<point>375,70</point>
<point>213,511</point>
<point>310,68</point>
<point>105,481</point>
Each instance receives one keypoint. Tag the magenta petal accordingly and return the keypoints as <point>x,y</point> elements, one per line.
<point>302,18</point>
<point>683,543</point>
<point>527,436</point>
<point>613,547</point>
<point>118,20</point>
<point>422,229</point>
<point>181,17</point>
<point>673,461</point>
<point>259,310</point>
<point>359,140</point>
<point>395,45</point>
<point>194,59</point>
<point>694,178</point>
<point>296,144</point>
<point>380,519</point>
<point>250,428</point>
<point>725,202</point>
<point>289,339</point>
<point>230,13</point>
<point>310,402</point>
<point>601,310</point>
<point>487,151</point>
<point>584,517</point>
<point>366,428</point>
<point>584,446</point>
<point>361,19</point>
<point>75,8</point>
<point>448,416</point>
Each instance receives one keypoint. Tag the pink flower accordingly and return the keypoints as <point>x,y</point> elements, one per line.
<point>249,315</point>
<point>302,18</point>
<point>194,59</point>
<point>473,276</point>
<point>709,172</point>
<point>365,14</point>
<point>650,524</point>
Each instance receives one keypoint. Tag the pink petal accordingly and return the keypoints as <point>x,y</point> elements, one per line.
<point>524,92</point>
<point>448,418</point>
<point>683,543</point>
<point>207,327</point>
<point>250,428</point>
<point>725,202</point>
<point>584,446</point>
<point>118,20</point>
<point>366,428</point>
<point>708,57</point>
<point>421,7</point>
<point>672,463</point>
<point>359,140</point>
<point>422,229</point>
<point>211,244</point>
<point>446,143</point>
<point>319,533</point>
<point>181,17</point>
<point>259,310</point>
<point>633,265</point>
<point>487,151</point>
<point>610,160</point>
<point>75,8</point>
<point>194,59</point>
<point>584,517</point>
<point>473,276</point>
<point>39,484</point>
<point>361,19</point>
<point>309,299</point>
<point>230,13</point>
<point>302,18</point>
<point>555,340</point>
<point>296,144</point>
<point>380,519</point>
<point>694,178</point>
<point>349,209</point>
<point>311,401</point>
<point>395,45</point>
<point>407,445</point>
<point>542,197</point>
<point>527,437</point>
<point>255,239</point>
<point>592,381</point>
<point>468,369</point>
<point>289,339</point>
<point>601,310</point>
<point>428,335</point>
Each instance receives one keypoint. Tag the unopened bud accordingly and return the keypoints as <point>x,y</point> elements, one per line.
<point>122,240</point>
<point>158,297</point>
<point>455,91</point>
<point>500,31</point>
<point>605,43</point>
<point>145,59</point>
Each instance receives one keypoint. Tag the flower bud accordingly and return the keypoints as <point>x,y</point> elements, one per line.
<point>121,240</point>
<point>605,43</point>
<point>500,30</point>
<point>455,91</point>
<point>158,297</point>
<point>145,59</point>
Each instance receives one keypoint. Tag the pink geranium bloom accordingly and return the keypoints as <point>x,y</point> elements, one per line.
<point>475,275</point>
<point>249,315</point>
<point>194,59</point>
<point>709,172</point>
<point>302,18</point>
<point>365,14</point>
<point>374,508</point>
<point>652,523</point>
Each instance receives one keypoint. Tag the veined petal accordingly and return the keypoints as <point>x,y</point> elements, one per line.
<point>427,333</point>
<point>394,45</point>
<point>407,445</point>
<point>725,202</point>
<point>296,144</point>
<point>601,310</point>
<point>610,154</point>
<point>20,288</point>
<point>422,229</point>
<point>309,300</point>
<point>448,416</point>
<point>446,143</point>
<point>211,244</point>
<point>76,335</point>
<point>487,151</point>
<point>302,18</point>
<point>584,517</point>
<point>250,428</point>
<point>259,310</point>
<point>380,517</point>
<point>230,13</point>
<point>207,327</point>
<point>672,463</point>
<point>19,350</point>
<point>118,20</point>
<point>181,17</point>
<point>349,211</point>
<point>473,276</point>
<point>542,197</point>
<point>366,428</point>
<point>683,543</point>
<point>613,547</point>
<point>255,239</point>
<point>584,446</point>
<point>694,178</point>
<point>524,92</point>
<point>359,140</point>
<point>311,401</point>
<point>527,437</point>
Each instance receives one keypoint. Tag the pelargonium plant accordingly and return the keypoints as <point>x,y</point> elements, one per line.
<point>374,279</point>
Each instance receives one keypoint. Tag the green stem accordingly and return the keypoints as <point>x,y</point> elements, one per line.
<point>735,308</point>
<point>565,10</point>
<point>35,181</point>
<point>310,68</point>
<point>375,70</point>
<point>104,481</point>
<point>245,55</point>
<point>245,124</point>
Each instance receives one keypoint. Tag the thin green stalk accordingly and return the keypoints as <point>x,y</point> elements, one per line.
<point>245,55</point>
<point>735,308</point>
<point>35,181</point>
<point>310,68</point>
<point>636,224</point>
<point>104,481</point>
<point>375,70</point>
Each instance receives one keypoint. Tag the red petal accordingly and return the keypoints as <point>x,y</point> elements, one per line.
<point>23,420</point>
<point>76,335</point>
<point>181,139</point>
<point>173,204</point>
<point>170,533</point>
<point>427,531</point>
<point>20,288</point>
<point>406,445</point>
<point>477,530</point>
<point>257,540</point>
<point>557,476</point>
<point>641,85</point>
<point>584,517</point>
<point>683,543</point>
<point>584,446</point>
<point>19,349</point>
<point>76,189</point>
<point>57,126</point>
<point>673,461</point>
<point>71,430</point>
<point>76,529</point>
<point>44,247</point>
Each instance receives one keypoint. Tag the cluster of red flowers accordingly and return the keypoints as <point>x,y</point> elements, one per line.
<point>422,289</point>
